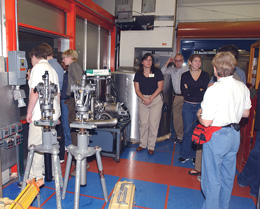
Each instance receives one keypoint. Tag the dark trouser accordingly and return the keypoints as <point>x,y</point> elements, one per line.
<point>251,172</point>
<point>189,114</point>
<point>72,117</point>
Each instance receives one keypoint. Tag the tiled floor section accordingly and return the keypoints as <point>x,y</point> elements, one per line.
<point>161,182</point>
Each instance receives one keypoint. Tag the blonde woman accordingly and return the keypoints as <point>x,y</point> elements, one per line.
<point>193,86</point>
<point>70,57</point>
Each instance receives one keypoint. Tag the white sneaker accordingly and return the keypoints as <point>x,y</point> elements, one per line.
<point>199,178</point>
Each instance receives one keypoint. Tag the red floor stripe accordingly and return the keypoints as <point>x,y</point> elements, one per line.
<point>48,199</point>
<point>167,196</point>
<point>173,154</point>
<point>132,158</point>
<point>141,207</point>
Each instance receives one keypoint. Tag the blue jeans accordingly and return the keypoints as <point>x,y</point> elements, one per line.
<point>65,122</point>
<point>219,167</point>
<point>189,116</point>
<point>251,172</point>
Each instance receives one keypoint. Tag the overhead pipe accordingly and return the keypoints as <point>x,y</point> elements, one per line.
<point>246,29</point>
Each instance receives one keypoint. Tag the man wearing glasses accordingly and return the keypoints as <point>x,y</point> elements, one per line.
<point>176,72</point>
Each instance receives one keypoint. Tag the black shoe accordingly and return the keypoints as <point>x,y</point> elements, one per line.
<point>178,141</point>
<point>193,161</point>
<point>20,184</point>
<point>240,184</point>
<point>183,160</point>
<point>253,194</point>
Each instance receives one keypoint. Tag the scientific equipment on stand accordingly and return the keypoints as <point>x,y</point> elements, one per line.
<point>84,122</point>
<point>105,103</point>
<point>50,145</point>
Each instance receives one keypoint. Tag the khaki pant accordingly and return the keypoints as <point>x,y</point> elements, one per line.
<point>149,120</point>
<point>35,137</point>
<point>177,115</point>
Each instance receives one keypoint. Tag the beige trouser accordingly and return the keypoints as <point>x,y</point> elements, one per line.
<point>198,158</point>
<point>177,115</point>
<point>35,137</point>
<point>149,120</point>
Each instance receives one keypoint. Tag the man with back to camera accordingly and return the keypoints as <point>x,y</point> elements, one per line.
<point>239,74</point>
<point>223,105</point>
<point>176,73</point>
<point>40,64</point>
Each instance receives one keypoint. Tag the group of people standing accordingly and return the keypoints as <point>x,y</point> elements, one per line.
<point>196,100</point>
<point>42,60</point>
<point>221,101</point>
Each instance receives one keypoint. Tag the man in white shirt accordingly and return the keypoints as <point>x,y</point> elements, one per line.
<point>176,73</point>
<point>40,64</point>
<point>223,105</point>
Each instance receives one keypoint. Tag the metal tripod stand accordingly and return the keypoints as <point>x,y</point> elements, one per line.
<point>82,95</point>
<point>49,136</point>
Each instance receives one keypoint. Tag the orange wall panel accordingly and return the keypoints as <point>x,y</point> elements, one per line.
<point>10,25</point>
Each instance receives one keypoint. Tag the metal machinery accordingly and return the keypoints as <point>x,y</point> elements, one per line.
<point>106,103</point>
<point>90,114</point>
<point>50,145</point>
<point>11,100</point>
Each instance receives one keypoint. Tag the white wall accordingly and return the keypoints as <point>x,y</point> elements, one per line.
<point>161,37</point>
<point>229,10</point>
<point>158,38</point>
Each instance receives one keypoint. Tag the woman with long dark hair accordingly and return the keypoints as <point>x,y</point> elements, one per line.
<point>148,83</point>
<point>193,86</point>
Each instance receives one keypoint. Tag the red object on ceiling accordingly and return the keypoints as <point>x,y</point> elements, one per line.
<point>247,29</point>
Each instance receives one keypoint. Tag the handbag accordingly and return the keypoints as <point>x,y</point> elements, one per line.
<point>202,134</point>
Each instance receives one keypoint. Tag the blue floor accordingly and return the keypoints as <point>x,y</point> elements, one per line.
<point>154,177</point>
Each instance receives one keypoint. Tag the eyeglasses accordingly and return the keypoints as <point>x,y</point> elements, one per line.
<point>178,60</point>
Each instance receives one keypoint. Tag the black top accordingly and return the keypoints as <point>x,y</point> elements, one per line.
<point>148,85</point>
<point>194,93</point>
<point>257,116</point>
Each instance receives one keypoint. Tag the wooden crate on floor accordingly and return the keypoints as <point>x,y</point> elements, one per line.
<point>123,196</point>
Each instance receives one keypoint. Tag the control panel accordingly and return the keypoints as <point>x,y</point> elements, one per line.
<point>11,136</point>
<point>17,68</point>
